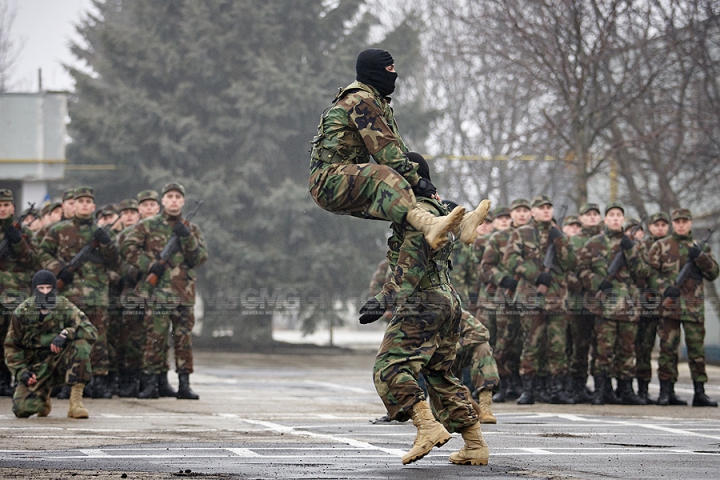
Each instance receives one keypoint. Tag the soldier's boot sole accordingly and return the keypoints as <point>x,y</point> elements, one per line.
<point>471,220</point>
<point>418,452</point>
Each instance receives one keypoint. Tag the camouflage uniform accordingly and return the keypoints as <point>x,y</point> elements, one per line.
<point>360,124</point>
<point>475,355</point>
<point>172,300</point>
<point>423,333</point>
<point>380,277</point>
<point>27,348</point>
<point>485,312</point>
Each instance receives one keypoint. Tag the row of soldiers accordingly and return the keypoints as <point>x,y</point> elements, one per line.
<point>122,275</point>
<point>603,292</point>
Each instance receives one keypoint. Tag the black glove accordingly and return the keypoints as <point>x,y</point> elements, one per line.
<point>424,188</point>
<point>672,292</point>
<point>554,233</point>
<point>158,269</point>
<point>371,311</point>
<point>181,230</point>
<point>693,253</point>
<point>102,236</point>
<point>66,275</point>
<point>605,285</point>
<point>59,341</point>
<point>509,283</point>
<point>626,243</point>
<point>544,279</point>
<point>25,377</point>
<point>13,234</point>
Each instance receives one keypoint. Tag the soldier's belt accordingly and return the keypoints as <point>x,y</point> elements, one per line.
<point>434,279</point>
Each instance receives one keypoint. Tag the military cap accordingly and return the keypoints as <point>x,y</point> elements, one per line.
<point>656,217</point>
<point>571,219</point>
<point>106,210</point>
<point>679,213</point>
<point>540,200</point>
<point>68,194</point>
<point>173,186</point>
<point>84,192</point>
<point>53,206</point>
<point>6,195</point>
<point>501,212</point>
<point>32,211</point>
<point>147,195</point>
<point>519,202</point>
<point>612,205</point>
<point>127,204</point>
<point>45,210</point>
<point>631,222</point>
<point>586,207</point>
<point>490,217</point>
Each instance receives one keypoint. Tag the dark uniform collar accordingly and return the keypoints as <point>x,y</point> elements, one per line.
<point>683,238</point>
<point>87,221</point>
<point>613,233</point>
<point>171,218</point>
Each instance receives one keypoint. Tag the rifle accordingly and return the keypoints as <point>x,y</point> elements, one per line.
<point>5,244</point>
<point>618,261</point>
<point>84,252</point>
<point>172,246</point>
<point>551,254</point>
<point>688,270</point>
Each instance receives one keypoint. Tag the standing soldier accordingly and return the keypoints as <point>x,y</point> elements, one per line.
<point>85,284</point>
<point>172,299</point>
<point>572,227</point>
<point>49,343</point>
<point>541,294</point>
<point>68,204</point>
<point>658,225</point>
<point>682,305</point>
<point>482,310</point>
<point>615,305</point>
<point>148,203</point>
<point>51,215</point>
<point>500,287</point>
<point>17,262</point>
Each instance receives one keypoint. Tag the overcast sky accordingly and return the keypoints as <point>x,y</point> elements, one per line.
<point>43,30</point>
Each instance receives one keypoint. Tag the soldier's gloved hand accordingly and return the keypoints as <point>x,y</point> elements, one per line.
<point>181,230</point>
<point>371,311</point>
<point>424,188</point>
<point>66,275</point>
<point>158,269</point>
<point>605,285</point>
<point>102,236</point>
<point>554,233</point>
<point>13,234</point>
<point>544,279</point>
<point>693,253</point>
<point>509,283</point>
<point>626,243</point>
<point>58,342</point>
<point>26,377</point>
<point>672,292</point>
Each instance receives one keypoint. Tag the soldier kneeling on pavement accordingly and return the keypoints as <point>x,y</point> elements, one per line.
<point>48,343</point>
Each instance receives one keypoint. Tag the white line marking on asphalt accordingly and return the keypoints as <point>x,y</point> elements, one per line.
<point>94,453</point>
<point>675,431</point>
<point>337,386</point>
<point>243,452</point>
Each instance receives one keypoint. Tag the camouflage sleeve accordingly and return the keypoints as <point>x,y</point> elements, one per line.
<point>80,327</point>
<point>707,264</point>
<point>658,278</point>
<point>636,265</point>
<point>513,258</point>
<point>494,267</point>
<point>109,253</point>
<point>24,252</point>
<point>48,249</point>
<point>194,247</point>
<point>565,253</point>
<point>588,276</point>
<point>14,352</point>
<point>133,250</point>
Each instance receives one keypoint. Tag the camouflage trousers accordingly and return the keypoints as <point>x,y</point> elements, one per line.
<point>644,344</point>
<point>157,327</point>
<point>615,349</point>
<point>115,328</point>
<point>477,363</point>
<point>100,356</point>
<point>132,341</point>
<point>508,346</point>
<point>582,332</point>
<point>364,190</point>
<point>422,338</point>
<point>544,338</point>
<point>669,332</point>
<point>5,317</point>
<point>72,365</point>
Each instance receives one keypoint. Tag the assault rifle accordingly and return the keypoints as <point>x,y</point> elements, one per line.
<point>84,253</point>
<point>5,244</point>
<point>618,261</point>
<point>172,246</point>
<point>688,270</point>
<point>551,253</point>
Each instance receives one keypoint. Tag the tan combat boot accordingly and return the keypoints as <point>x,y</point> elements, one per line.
<point>475,451</point>
<point>430,433</point>
<point>470,222</point>
<point>435,228</point>
<point>76,409</point>
<point>485,402</point>
<point>47,408</point>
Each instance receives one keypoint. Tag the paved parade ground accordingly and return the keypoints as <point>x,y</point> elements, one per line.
<point>307,415</point>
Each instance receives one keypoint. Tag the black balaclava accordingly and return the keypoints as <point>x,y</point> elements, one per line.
<point>370,68</point>
<point>45,301</point>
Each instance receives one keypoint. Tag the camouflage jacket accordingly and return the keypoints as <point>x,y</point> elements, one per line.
<point>575,286</point>
<point>463,275</point>
<point>381,276</point>
<point>623,302</point>
<point>360,124</point>
<point>17,267</point>
<point>414,265</point>
<point>27,344</point>
<point>666,258</point>
<point>472,332</point>
<point>142,248</point>
<point>492,270</point>
<point>524,259</point>
<point>90,284</point>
